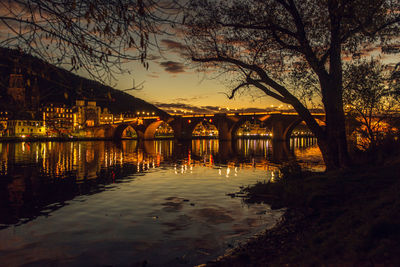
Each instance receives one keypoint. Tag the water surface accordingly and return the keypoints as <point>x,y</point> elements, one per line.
<point>104,203</point>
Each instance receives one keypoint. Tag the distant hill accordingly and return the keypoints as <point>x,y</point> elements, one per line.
<point>57,85</point>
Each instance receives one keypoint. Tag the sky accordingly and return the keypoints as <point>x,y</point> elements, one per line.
<point>169,83</point>
<point>172,83</point>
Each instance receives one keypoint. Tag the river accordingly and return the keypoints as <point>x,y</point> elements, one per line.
<point>158,203</point>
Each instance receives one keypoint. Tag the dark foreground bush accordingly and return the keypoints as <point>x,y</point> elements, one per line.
<point>345,218</point>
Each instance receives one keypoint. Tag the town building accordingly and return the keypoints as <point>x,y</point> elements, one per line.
<point>4,115</point>
<point>58,119</point>
<point>23,91</point>
<point>106,117</point>
<point>25,128</point>
<point>86,114</point>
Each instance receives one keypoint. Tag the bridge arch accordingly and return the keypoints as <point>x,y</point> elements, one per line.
<point>151,129</point>
<point>123,128</point>
<point>289,129</point>
<point>103,131</point>
<point>205,128</point>
<point>252,122</point>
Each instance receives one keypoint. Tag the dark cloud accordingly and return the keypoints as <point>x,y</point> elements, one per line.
<point>172,66</point>
<point>179,108</point>
<point>176,47</point>
<point>189,99</point>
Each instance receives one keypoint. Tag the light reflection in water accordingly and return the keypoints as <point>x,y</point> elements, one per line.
<point>160,194</point>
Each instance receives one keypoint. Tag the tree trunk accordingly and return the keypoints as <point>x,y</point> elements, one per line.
<point>334,157</point>
<point>332,140</point>
<point>334,145</point>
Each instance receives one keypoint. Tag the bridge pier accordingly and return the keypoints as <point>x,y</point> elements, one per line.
<point>182,129</point>
<point>224,131</point>
<point>282,127</point>
<point>224,126</point>
<point>278,132</point>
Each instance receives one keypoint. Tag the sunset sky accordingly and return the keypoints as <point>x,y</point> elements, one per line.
<point>171,82</point>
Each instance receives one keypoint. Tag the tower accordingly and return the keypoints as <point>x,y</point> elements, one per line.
<point>16,88</point>
<point>32,94</point>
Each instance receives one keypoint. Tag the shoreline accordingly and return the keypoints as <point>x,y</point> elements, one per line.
<point>343,218</point>
<point>68,139</point>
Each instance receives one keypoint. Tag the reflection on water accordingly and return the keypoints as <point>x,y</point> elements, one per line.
<point>156,201</point>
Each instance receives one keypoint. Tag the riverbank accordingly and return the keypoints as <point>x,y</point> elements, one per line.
<point>343,218</point>
<point>15,139</point>
<point>66,139</point>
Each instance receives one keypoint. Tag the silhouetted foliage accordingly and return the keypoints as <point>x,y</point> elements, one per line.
<point>261,43</point>
<point>369,97</point>
<point>94,35</point>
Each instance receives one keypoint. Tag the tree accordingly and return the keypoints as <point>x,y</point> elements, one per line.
<point>395,81</point>
<point>370,100</point>
<point>96,36</point>
<point>263,42</point>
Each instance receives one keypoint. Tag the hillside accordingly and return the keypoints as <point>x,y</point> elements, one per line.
<point>57,85</point>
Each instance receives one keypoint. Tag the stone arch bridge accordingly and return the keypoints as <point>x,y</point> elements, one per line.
<point>280,123</point>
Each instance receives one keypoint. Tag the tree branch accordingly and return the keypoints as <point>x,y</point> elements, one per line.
<point>285,96</point>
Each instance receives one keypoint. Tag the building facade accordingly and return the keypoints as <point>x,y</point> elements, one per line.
<point>86,114</point>
<point>106,117</point>
<point>3,122</point>
<point>25,128</point>
<point>58,119</point>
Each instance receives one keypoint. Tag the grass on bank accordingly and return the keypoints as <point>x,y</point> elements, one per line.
<point>342,218</point>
